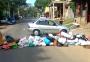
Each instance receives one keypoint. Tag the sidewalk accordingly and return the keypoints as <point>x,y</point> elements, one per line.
<point>83,30</point>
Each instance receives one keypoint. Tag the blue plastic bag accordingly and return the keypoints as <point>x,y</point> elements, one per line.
<point>47,41</point>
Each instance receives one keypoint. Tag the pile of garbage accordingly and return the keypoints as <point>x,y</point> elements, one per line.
<point>62,38</point>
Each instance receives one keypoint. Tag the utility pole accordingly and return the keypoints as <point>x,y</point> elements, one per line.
<point>18,11</point>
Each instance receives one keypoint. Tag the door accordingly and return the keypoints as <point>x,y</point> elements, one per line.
<point>53,26</point>
<point>43,26</point>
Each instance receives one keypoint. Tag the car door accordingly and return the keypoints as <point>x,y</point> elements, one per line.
<point>42,25</point>
<point>53,26</point>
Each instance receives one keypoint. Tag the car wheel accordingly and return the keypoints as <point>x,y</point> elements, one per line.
<point>36,32</point>
<point>64,30</point>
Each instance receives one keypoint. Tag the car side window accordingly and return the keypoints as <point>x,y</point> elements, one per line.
<point>40,22</point>
<point>51,23</point>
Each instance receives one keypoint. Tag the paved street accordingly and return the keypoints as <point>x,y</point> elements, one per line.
<point>75,14</point>
<point>46,54</point>
<point>41,54</point>
<point>18,30</point>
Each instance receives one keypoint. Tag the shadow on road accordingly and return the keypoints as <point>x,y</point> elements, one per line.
<point>32,54</point>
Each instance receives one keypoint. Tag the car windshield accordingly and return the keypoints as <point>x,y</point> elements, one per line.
<point>41,19</point>
<point>54,21</point>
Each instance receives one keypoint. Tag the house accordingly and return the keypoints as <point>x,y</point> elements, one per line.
<point>46,12</point>
<point>56,9</point>
<point>59,9</point>
<point>82,11</point>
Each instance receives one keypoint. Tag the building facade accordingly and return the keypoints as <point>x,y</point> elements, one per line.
<point>59,8</point>
<point>56,9</point>
<point>82,11</point>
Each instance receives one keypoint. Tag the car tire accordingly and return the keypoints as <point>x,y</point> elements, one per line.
<point>64,30</point>
<point>36,32</point>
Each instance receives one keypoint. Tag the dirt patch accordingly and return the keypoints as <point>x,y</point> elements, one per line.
<point>82,30</point>
<point>4,29</point>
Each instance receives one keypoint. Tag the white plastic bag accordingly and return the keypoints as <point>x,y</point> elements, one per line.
<point>62,40</point>
<point>23,42</point>
<point>66,35</point>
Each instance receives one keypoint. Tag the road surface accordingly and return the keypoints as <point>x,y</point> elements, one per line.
<point>41,54</point>
<point>46,54</point>
<point>18,30</point>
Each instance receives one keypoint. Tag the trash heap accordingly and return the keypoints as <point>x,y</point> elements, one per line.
<point>62,38</point>
<point>8,42</point>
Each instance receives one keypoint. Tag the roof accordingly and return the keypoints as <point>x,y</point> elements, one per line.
<point>56,2</point>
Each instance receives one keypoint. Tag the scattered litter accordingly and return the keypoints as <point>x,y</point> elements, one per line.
<point>23,42</point>
<point>60,39</point>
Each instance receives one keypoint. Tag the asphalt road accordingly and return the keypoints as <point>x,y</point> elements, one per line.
<point>41,54</point>
<point>46,54</point>
<point>20,29</point>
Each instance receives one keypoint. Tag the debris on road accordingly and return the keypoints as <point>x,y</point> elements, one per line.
<point>59,39</point>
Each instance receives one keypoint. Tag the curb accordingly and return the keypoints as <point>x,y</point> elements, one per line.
<point>3,27</point>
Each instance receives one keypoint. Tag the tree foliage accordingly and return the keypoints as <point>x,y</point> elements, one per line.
<point>72,5</point>
<point>4,4</point>
<point>32,12</point>
<point>10,5</point>
<point>41,4</point>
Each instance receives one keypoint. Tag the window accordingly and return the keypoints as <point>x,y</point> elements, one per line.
<point>40,22</point>
<point>51,23</point>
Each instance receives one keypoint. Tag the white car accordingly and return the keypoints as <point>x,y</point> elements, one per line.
<point>44,25</point>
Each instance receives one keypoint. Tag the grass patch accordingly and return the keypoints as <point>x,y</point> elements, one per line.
<point>69,25</point>
<point>68,22</point>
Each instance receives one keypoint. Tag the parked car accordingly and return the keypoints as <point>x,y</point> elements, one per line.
<point>10,20</point>
<point>45,26</point>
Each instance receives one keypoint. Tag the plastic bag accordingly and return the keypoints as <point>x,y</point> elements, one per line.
<point>9,38</point>
<point>23,42</point>
<point>47,41</point>
<point>62,40</point>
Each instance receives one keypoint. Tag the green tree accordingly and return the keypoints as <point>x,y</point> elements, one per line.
<point>41,4</point>
<point>3,6</point>
<point>10,5</point>
<point>72,5</point>
<point>32,12</point>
